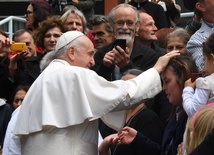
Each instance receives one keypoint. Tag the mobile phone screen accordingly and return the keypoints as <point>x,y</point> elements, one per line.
<point>121,43</point>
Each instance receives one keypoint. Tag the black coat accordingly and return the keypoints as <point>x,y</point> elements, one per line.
<point>142,57</point>
<point>154,10</point>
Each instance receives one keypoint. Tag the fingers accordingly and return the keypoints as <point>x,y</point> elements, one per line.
<point>163,60</point>
<point>121,57</point>
<point>173,53</point>
<point>108,59</point>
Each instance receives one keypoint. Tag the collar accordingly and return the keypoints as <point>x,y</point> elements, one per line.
<point>211,25</point>
<point>2,101</point>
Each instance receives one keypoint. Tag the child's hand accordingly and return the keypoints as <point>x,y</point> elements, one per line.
<point>188,83</point>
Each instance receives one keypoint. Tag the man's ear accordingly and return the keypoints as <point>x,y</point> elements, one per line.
<point>212,55</point>
<point>70,53</point>
<point>137,28</point>
<point>200,6</point>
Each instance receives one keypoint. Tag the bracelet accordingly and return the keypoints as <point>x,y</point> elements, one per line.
<point>11,69</point>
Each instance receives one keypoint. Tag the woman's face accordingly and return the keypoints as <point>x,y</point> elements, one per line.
<point>29,17</point>
<point>176,43</point>
<point>51,37</point>
<point>172,87</point>
<point>18,98</point>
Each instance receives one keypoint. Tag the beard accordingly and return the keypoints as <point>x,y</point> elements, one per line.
<point>127,35</point>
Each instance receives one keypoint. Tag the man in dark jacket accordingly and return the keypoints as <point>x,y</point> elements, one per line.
<point>111,60</point>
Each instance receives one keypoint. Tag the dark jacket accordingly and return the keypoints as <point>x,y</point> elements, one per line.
<point>206,147</point>
<point>154,10</point>
<point>173,135</point>
<point>5,115</point>
<point>32,70</point>
<point>150,131</point>
<point>142,57</point>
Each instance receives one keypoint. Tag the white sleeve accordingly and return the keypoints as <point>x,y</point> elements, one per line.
<point>12,144</point>
<point>193,101</point>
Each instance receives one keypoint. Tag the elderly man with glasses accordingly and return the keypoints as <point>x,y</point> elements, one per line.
<point>111,60</point>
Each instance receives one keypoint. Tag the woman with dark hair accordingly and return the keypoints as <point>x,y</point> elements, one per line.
<point>37,11</point>
<point>18,96</point>
<point>174,76</point>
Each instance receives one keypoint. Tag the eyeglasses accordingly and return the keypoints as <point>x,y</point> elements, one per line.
<point>28,12</point>
<point>128,23</point>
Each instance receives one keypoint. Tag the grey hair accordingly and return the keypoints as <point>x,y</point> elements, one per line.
<point>46,60</point>
<point>62,51</point>
<point>101,19</point>
<point>77,12</point>
<point>111,15</point>
<point>181,33</point>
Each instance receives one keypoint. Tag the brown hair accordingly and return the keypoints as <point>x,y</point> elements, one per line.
<point>161,35</point>
<point>49,23</point>
<point>182,66</point>
<point>208,46</point>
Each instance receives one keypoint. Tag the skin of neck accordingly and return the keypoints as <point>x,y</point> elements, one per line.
<point>133,111</point>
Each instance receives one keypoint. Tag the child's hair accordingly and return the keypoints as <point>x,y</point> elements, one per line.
<point>208,46</point>
<point>201,124</point>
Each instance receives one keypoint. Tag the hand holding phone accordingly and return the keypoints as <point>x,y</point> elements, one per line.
<point>121,43</point>
<point>194,76</point>
<point>18,47</point>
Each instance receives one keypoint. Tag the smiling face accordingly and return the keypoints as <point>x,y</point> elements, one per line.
<point>125,24</point>
<point>28,39</point>
<point>172,86</point>
<point>101,36</point>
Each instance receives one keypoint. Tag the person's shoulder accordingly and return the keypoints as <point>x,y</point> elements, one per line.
<point>144,49</point>
<point>107,47</point>
<point>154,5</point>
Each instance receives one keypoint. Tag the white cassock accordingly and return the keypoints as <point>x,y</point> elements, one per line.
<point>59,113</point>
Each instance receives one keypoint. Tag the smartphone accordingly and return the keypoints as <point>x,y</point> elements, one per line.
<point>121,43</point>
<point>194,76</point>
<point>18,47</point>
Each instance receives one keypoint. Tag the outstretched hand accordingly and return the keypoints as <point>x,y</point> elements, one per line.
<point>164,60</point>
<point>127,135</point>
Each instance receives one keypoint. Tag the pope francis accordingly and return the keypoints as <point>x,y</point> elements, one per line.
<point>59,113</point>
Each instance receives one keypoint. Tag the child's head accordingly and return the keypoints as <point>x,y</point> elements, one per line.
<point>200,125</point>
<point>208,52</point>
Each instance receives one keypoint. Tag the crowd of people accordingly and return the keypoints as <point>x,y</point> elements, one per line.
<point>76,89</point>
